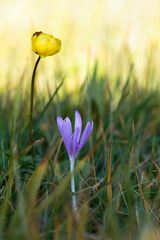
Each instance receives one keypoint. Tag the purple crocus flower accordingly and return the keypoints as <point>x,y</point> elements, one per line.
<point>74,141</point>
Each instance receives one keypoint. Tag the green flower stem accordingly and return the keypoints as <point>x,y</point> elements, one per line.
<point>32,101</point>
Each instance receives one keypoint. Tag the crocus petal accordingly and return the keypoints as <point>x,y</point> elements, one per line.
<point>75,143</point>
<point>86,133</point>
<point>78,124</point>
<point>67,133</point>
<point>60,124</point>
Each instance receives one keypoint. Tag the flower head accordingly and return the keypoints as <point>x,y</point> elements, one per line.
<point>45,44</point>
<point>74,141</point>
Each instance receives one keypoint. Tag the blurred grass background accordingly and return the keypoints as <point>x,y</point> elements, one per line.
<point>110,66</point>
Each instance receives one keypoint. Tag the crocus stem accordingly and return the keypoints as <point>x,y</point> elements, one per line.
<point>74,200</point>
<point>32,101</point>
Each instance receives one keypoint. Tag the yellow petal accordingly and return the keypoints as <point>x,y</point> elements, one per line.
<point>45,44</point>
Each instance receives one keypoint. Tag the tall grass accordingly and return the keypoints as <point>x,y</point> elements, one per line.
<point>117,173</point>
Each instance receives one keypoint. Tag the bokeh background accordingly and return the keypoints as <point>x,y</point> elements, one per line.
<point>114,33</point>
<point>110,65</point>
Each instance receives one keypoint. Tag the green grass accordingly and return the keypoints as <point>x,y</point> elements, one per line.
<point>117,174</point>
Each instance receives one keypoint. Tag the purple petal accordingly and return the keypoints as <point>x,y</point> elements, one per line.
<point>86,133</point>
<point>75,142</point>
<point>67,133</point>
<point>78,124</point>
<point>60,124</point>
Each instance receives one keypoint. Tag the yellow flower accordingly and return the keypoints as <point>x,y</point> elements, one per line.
<point>45,44</point>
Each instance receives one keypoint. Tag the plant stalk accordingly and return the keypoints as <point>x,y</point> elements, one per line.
<point>74,200</point>
<point>32,101</point>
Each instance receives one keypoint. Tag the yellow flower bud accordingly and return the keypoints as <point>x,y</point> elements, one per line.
<point>45,44</point>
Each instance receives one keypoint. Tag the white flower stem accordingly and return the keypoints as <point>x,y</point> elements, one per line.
<point>74,200</point>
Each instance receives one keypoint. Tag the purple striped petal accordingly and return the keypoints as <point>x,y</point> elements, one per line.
<point>60,124</point>
<point>78,124</point>
<point>67,133</point>
<point>86,133</point>
<point>75,142</point>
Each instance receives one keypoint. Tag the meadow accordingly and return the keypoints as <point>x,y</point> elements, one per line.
<point>108,70</point>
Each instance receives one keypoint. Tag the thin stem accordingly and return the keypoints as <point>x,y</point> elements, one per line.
<point>32,101</point>
<point>74,200</point>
